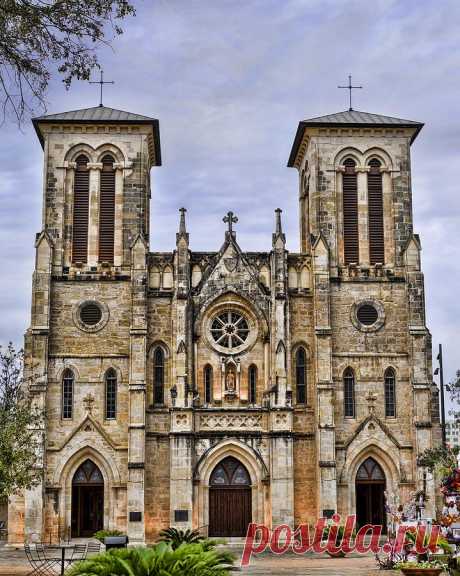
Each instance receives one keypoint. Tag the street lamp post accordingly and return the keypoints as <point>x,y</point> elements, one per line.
<point>440,371</point>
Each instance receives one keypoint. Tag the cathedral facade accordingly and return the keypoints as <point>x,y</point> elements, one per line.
<point>212,389</point>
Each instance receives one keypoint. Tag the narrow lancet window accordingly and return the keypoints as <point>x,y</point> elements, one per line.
<point>67,394</point>
<point>80,211</point>
<point>375,210</point>
<point>301,375</point>
<point>350,212</point>
<point>111,394</point>
<point>349,393</point>
<point>107,211</point>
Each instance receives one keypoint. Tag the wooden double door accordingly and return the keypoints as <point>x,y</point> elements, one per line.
<point>230,499</point>
<point>370,495</point>
<point>87,500</point>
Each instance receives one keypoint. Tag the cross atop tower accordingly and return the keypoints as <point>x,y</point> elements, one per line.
<point>101,82</point>
<point>230,219</point>
<point>350,87</point>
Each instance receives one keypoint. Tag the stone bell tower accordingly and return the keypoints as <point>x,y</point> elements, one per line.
<point>371,337</point>
<point>89,318</point>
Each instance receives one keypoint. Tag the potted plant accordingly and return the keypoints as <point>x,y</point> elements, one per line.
<point>426,568</point>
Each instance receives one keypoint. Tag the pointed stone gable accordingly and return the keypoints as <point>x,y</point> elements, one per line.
<point>231,272</point>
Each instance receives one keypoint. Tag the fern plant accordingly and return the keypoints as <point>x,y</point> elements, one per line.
<point>160,560</point>
<point>176,537</point>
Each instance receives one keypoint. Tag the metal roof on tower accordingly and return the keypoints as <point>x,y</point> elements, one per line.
<point>100,115</point>
<point>351,119</point>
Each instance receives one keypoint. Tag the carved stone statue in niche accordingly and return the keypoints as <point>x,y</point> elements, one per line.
<point>230,381</point>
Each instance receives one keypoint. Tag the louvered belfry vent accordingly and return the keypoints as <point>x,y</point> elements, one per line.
<point>90,314</point>
<point>107,211</point>
<point>375,206</point>
<point>80,211</point>
<point>367,314</point>
<point>350,212</point>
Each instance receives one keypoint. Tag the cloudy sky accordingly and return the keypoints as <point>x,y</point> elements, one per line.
<point>229,81</point>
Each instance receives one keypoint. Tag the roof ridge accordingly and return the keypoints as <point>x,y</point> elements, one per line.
<point>92,108</point>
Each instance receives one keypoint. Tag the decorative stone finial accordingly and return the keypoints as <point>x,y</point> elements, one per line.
<point>182,227</point>
<point>278,227</point>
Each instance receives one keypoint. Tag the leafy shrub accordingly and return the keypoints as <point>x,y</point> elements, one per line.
<point>176,537</point>
<point>160,560</point>
<point>101,534</point>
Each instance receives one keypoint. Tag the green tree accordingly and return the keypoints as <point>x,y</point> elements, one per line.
<point>20,424</point>
<point>39,36</point>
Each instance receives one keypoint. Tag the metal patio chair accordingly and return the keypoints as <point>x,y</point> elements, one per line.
<point>93,548</point>
<point>41,565</point>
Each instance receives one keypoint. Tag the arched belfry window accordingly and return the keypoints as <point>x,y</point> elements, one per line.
<point>390,393</point>
<point>301,375</point>
<point>68,380</point>
<point>350,212</point>
<point>349,392</point>
<point>107,210</point>
<point>208,384</point>
<point>252,384</point>
<point>158,376</point>
<point>111,394</point>
<point>80,210</point>
<point>375,210</point>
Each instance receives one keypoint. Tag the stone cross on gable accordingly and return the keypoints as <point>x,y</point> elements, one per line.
<point>371,398</point>
<point>230,219</point>
<point>88,401</point>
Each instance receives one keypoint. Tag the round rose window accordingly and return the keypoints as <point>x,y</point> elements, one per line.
<point>229,329</point>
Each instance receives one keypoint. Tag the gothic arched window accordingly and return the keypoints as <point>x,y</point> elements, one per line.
<point>80,210</point>
<point>68,379</point>
<point>350,212</point>
<point>252,384</point>
<point>349,392</point>
<point>301,375</point>
<point>375,210</point>
<point>107,210</point>
<point>390,393</point>
<point>208,384</point>
<point>111,394</point>
<point>158,376</point>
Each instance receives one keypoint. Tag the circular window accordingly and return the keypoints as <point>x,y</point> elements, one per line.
<point>90,314</point>
<point>230,329</point>
<point>367,314</point>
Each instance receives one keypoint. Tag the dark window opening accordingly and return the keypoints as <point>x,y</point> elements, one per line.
<point>111,395</point>
<point>390,393</point>
<point>349,393</point>
<point>158,376</point>
<point>252,391</point>
<point>67,394</point>
<point>107,211</point>
<point>301,375</point>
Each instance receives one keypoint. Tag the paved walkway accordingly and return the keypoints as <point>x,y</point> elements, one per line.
<point>14,563</point>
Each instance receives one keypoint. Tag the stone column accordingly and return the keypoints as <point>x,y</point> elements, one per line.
<point>181,471</point>
<point>68,212</point>
<point>118,235</point>
<point>324,383</point>
<point>420,360</point>
<point>279,310</point>
<point>282,468</point>
<point>35,377</point>
<point>93,218</point>
<point>137,389</point>
<point>363,216</point>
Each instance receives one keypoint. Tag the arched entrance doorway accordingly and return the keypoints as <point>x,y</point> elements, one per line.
<point>230,508</point>
<point>370,498</point>
<point>87,500</point>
